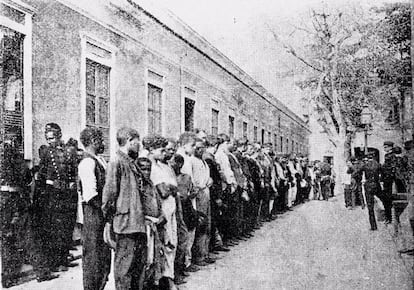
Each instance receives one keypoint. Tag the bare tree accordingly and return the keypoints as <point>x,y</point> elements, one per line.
<point>340,59</point>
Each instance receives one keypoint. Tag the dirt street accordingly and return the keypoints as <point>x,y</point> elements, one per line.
<point>319,245</point>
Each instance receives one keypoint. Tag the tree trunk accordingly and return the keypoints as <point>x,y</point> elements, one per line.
<point>341,154</point>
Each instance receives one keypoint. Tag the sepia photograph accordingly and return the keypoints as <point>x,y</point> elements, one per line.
<point>206,145</point>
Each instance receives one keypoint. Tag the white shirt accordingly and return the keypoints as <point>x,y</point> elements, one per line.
<point>280,171</point>
<point>201,173</point>
<point>86,173</point>
<point>162,173</point>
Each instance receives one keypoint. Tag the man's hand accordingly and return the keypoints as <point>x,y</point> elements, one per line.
<point>173,190</point>
<point>194,192</point>
<point>210,182</point>
<point>109,236</point>
<point>233,188</point>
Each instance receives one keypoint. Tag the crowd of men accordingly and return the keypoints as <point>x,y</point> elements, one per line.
<point>165,207</point>
<point>391,181</point>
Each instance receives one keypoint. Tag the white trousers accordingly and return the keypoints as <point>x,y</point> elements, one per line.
<point>291,195</point>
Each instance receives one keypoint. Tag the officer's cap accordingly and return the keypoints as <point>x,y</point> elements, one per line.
<point>389,143</point>
<point>55,128</point>
<point>370,155</point>
<point>397,150</point>
<point>52,127</point>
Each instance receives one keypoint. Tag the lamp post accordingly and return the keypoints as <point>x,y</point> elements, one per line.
<point>366,119</point>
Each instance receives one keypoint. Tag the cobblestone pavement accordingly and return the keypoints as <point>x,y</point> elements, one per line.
<point>319,245</point>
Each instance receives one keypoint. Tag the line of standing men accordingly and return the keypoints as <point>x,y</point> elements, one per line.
<point>215,190</point>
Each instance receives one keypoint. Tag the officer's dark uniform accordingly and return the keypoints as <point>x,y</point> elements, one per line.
<point>58,171</point>
<point>401,170</point>
<point>13,205</point>
<point>325,180</point>
<point>356,185</point>
<point>388,177</point>
<point>409,146</point>
<point>372,187</point>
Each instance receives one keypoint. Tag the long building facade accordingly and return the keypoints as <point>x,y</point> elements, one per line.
<point>119,63</point>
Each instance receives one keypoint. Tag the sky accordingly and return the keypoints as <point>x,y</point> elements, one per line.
<point>241,30</point>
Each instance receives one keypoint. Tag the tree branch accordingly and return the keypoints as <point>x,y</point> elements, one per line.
<point>292,51</point>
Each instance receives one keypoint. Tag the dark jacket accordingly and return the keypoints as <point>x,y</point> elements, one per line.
<point>372,171</point>
<point>216,191</point>
<point>58,163</point>
<point>237,170</point>
<point>388,168</point>
<point>122,194</point>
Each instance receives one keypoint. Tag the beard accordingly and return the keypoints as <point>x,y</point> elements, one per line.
<point>167,157</point>
<point>100,150</point>
<point>133,154</point>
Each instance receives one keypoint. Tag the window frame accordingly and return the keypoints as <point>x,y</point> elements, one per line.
<point>192,97</point>
<point>161,85</point>
<point>218,121</point>
<point>245,130</point>
<point>255,133</point>
<point>215,105</point>
<point>108,62</point>
<point>232,124</point>
<point>26,30</point>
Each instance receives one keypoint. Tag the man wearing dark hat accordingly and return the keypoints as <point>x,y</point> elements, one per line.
<point>326,172</point>
<point>388,177</point>
<point>372,186</point>
<point>58,172</point>
<point>356,185</point>
<point>13,204</point>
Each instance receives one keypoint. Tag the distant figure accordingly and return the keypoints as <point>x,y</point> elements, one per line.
<point>326,172</point>
<point>372,186</point>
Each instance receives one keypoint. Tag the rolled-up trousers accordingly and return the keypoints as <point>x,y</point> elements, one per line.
<point>96,258</point>
<point>291,195</point>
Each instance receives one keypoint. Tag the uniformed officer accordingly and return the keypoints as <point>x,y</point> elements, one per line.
<point>409,146</point>
<point>58,171</point>
<point>356,186</point>
<point>13,204</point>
<point>401,170</point>
<point>372,186</point>
<point>326,171</point>
<point>388,177</point>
